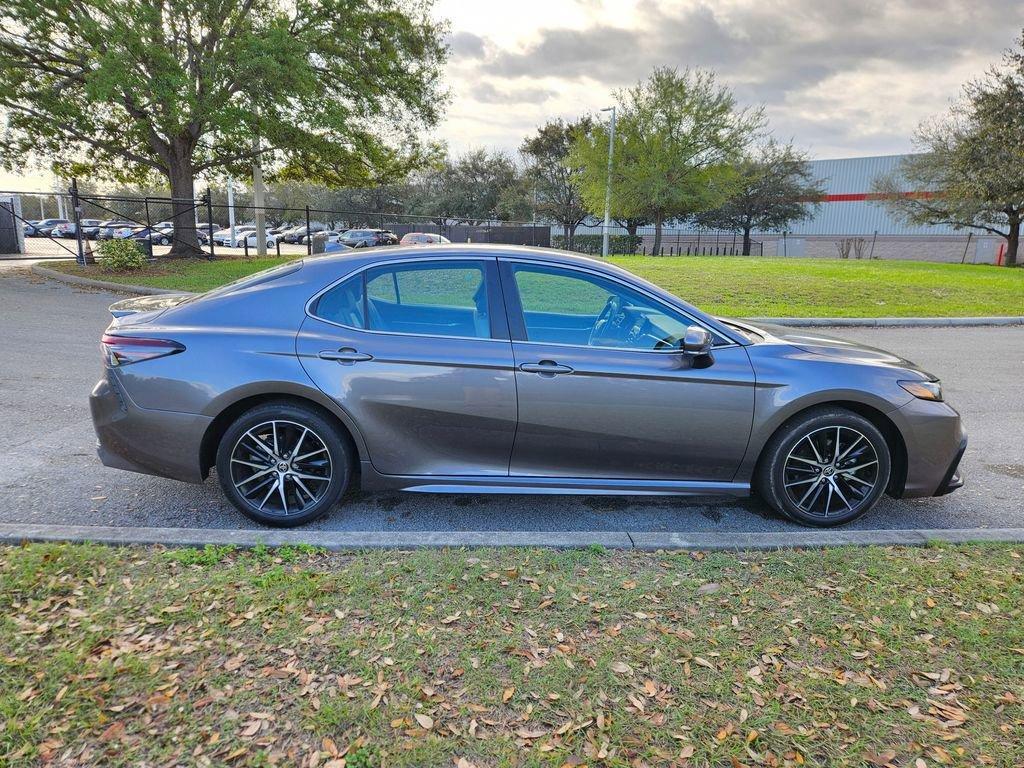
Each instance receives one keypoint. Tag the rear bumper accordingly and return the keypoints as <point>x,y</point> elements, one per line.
<point>153,442</point>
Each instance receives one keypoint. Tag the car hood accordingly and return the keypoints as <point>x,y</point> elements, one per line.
<point>811,341</point>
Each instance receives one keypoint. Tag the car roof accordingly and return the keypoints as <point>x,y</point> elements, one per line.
<point>466,250</point>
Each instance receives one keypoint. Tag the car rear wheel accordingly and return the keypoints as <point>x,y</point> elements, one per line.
<point>283,464</point>
<point>825,468</point>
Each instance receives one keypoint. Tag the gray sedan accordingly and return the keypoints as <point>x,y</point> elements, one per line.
<point>490,369</point>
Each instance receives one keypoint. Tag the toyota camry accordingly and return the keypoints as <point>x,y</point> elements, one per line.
<point>492,369</point>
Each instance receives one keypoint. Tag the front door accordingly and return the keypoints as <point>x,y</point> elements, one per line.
<point>604,391</point>
<point>413,352</point>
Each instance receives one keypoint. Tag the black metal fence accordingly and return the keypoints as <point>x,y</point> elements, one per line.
<point>71,225</point>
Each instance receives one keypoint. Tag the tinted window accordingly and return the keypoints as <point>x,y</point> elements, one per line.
<point>568,307</point>
<point>436,299</point>
<point>343,304</point>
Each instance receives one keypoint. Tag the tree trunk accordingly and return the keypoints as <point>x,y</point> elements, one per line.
<point>746,241</point>
<point>655,251</point>
<point>183,206</point>
<point>1012,240</point>
<point>566,236</point>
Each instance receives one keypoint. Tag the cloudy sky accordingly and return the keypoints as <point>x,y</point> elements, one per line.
<point>841,78</point>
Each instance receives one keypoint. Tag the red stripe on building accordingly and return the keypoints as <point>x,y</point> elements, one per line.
<point>853,197</point>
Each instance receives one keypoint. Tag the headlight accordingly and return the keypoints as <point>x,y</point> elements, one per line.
<point>924,390</point>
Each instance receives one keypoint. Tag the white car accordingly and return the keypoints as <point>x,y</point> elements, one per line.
<point>223,236</point>
<point>251,240</point>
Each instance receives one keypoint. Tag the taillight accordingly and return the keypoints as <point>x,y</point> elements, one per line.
<point>122,350</point>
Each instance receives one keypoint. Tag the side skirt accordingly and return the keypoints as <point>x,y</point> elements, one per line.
<point>374,481</point>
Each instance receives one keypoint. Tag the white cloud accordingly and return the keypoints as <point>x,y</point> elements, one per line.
<point>840,78</point>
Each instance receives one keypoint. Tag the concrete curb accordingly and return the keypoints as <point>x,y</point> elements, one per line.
<point>140,290</point>
<point>886,322</point>
<point>14,533</point>
<point>792,322</point>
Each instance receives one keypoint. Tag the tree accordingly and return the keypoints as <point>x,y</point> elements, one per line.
<point>676,138</point>
<point>970,173</point>
<point>175,88</point>
<point>477,186</point>
<point>774,186</point>
<point>555,182</point>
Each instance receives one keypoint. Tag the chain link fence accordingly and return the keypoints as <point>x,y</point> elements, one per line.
<point>71,225</point>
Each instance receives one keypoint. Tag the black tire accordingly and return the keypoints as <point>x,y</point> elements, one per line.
<point>289,419</point>
<point>799,477</point>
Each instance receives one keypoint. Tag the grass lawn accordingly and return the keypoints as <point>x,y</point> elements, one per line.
<point>731,285</point>
<point>517,657</point>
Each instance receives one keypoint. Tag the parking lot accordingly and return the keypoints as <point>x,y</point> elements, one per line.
<point>65,248</point>
<point>49,472</point>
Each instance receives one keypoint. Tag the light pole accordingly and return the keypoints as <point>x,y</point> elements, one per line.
<point>608,184</point>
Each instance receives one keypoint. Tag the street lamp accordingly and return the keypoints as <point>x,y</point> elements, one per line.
<point>608,184</point>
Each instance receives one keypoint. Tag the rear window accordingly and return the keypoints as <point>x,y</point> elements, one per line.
<point>257,278</point>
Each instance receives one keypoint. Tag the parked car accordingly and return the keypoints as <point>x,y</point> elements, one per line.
<point>297,234</point>
<point>207,227</point>
<point>504,369</point>
<point>154,235</point>
<point>367,238</point>
<point>108,228</point>
<point>201,236</point>
<point>28,228</point>
<point>89,229</point>
<point>224,237</point>
<point>250,240</point>
<point>423,238</point>
<point>44,227</point>
<point>329,235</point>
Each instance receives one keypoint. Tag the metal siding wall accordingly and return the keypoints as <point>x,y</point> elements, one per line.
<point>857,217</point>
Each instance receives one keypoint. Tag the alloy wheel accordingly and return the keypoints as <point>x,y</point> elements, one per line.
<point>281,467</point>
<point>831,471</point>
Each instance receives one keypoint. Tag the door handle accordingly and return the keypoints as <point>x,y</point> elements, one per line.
<point>344,355</point>
<point>545,368</point>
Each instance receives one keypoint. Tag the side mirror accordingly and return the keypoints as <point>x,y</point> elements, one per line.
<point>696,341</point>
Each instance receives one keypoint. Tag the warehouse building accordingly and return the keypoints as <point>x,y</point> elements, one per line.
<point>848,222</point>
<point>850,219</point>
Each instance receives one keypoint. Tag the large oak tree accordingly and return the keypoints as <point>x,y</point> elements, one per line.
<point>175,88</point>
<point>970,172</point>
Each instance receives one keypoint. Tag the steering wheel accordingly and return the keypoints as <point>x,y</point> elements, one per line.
<point>611,310</point>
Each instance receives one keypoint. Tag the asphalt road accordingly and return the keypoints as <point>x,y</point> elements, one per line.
<point>49,473</point>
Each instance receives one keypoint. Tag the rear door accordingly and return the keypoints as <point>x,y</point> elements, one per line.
<point>604,391</point>
<point>416,354</point>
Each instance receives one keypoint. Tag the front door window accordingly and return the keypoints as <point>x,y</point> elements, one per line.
<point>568,307</point>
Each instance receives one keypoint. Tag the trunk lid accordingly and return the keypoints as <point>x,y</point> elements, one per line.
<point>143,309</point>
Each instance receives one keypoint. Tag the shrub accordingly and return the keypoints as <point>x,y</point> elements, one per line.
<point>591,244</point>
<point>121,256</point>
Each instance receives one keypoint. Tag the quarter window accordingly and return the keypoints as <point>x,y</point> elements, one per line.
<point>568,307</point>
<point>433,299</point>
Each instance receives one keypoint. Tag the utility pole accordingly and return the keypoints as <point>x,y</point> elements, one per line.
<point>258,201</point>
<point>608,184</point>
<point>231,208</point>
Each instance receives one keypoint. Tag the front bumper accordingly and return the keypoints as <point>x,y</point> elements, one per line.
<point>953,478</point>
<point>935,442</point>
<point>150,441</point>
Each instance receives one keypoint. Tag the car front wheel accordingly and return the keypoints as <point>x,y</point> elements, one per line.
<point>825,468</point>
<point>283,464</point>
